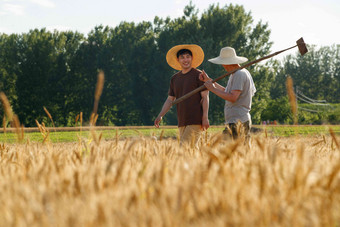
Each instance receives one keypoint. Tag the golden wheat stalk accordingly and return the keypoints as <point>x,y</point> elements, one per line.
<point>317,143</point>
<point>161,135</point>
<point>7,106</point>
<point>81,121</point>
<point>81,118</point>
<point>17,127</point>
<point>93,119</point>
<point>22,132</point>
<point>292,98</point>
<point>334,138</point>
<point>95,137</point>
<point>77,118</point>
<point>50,117</point>
<point>4,123</point>
<point>116,137</point>
<point>229,130</point>
<point>39,126</point>
<point>46,137</point>
<point>43,131</point>
<point>173,181</point>
<point>98,91</point>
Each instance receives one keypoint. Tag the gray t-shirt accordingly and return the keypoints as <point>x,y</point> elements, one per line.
<point>239,110</point>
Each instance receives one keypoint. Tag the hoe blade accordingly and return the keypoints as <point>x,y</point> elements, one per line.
<point>302,46</point>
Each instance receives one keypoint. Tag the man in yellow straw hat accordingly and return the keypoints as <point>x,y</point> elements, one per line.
<point>192,113</point>
<point>237,94</point>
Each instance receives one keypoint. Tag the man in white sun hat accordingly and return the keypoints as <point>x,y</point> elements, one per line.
<point>192,113</point>
<point>238,93</point>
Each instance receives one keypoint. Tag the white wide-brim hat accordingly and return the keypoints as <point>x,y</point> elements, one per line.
<point>197,55</point>
<point>228,57</point>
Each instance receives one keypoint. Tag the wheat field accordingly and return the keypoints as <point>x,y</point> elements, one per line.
<point>149,181</point>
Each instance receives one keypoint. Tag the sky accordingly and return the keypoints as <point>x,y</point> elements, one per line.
<point>317,21</point>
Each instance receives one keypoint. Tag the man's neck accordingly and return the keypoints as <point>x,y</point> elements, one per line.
<point>184,71</point>
<point>231,68</point>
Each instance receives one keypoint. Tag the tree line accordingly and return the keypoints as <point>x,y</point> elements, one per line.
<point>58,70</point>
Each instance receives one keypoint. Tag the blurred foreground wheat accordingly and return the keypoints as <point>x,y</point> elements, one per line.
<point>147,182</point>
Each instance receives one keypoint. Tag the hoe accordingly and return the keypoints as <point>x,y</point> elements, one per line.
<point>300,44</point>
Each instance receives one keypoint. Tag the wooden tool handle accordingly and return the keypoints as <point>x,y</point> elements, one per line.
<point>300,44</point>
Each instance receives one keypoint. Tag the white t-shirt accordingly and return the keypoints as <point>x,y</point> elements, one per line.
<point>239,110</point>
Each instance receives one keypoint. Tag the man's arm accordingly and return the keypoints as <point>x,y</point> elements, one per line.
<point>166,107</point>
<point>219,87</point>
<point>205,106</point>
<point>231,97</point>
<point>204,77</point>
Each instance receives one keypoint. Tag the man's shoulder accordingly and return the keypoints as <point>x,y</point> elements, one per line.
<point>176,75</point>
<point>196,71</point>
<point>243,73</point>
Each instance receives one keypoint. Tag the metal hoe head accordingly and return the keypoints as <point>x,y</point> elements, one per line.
<point>302,46</point>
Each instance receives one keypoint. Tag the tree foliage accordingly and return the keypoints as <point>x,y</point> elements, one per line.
<point>316,74</point>
<point>58,70</point>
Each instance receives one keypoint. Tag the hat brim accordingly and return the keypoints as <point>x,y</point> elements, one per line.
<point>228,61</point>
<point>197,55</point>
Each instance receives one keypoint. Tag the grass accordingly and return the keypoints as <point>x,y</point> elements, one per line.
<point>73,136</point>
<point>304,130</point>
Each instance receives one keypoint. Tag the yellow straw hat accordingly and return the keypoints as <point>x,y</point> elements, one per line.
<point>197,55</point>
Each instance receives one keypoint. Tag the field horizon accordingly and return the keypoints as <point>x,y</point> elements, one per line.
<point>69,134</point>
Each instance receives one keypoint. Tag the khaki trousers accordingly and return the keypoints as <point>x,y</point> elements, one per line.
<point>190,134</point>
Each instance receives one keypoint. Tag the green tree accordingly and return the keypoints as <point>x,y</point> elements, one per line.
<point>36,52</point>
<point>279,110</point>
<point>43,75</point>
<point>61,101</point>
<point>88,57</point>
<point>9,68</point>
<point>316,74</point>
<point>58,70</point>
<point>124,99</point>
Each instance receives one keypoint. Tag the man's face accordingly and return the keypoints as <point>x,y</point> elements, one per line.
<point>230,68</point>
<point>185,60</point>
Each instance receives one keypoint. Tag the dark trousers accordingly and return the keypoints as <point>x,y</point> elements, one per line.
<point>236,130</point>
